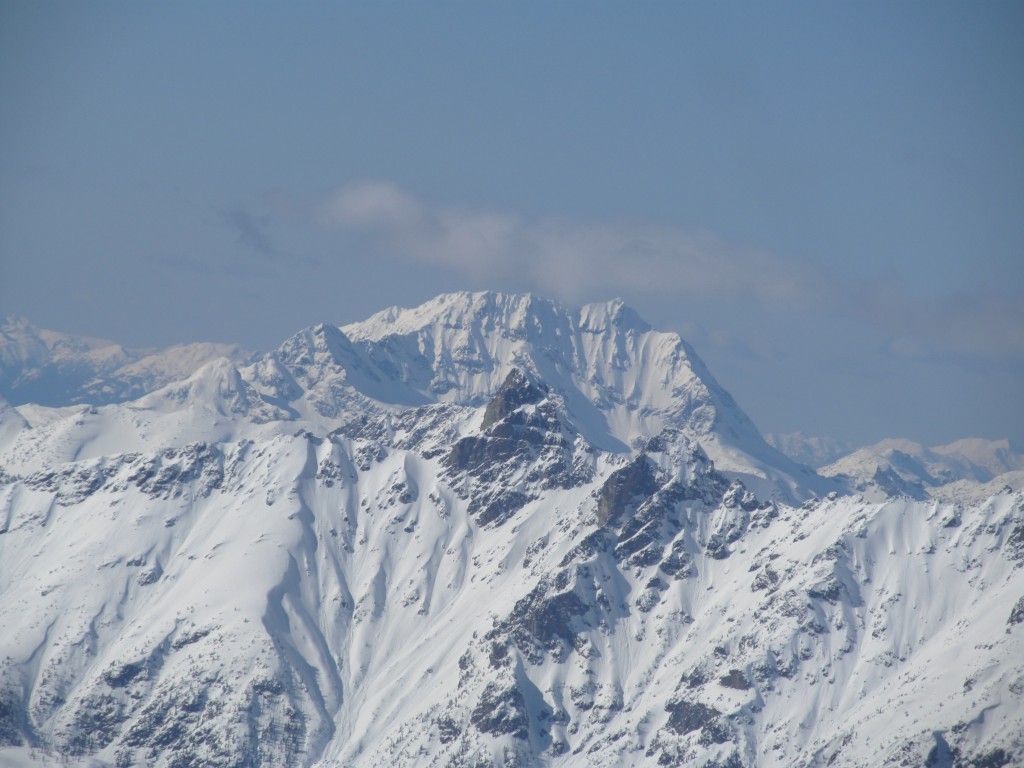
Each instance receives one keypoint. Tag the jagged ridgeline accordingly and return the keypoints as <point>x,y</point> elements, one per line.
<point>488,531</point>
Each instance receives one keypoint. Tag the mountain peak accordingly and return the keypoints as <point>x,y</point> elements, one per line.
<point>622,381</point>
<point>512,313</point>
<point>603,317</point>
<point>458,310</point>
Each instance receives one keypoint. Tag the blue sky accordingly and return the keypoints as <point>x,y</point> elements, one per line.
<point>826,199</point>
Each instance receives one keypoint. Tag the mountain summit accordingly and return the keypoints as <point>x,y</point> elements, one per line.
<point>622,381</point>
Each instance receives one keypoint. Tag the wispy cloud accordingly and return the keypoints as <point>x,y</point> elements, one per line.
<point>573,259</point>
<point>250,230</point>
<point>569,258</point>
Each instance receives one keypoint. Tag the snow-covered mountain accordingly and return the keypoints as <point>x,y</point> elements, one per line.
<point>49,368</point>
<point>967,468</point>
<point>486,531</point>
<point>623,382</point>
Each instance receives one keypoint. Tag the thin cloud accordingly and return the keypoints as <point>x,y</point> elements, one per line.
<point>569,258</point>
<point>575,259</point>
<point>372,204</point>
<point>250,230</point>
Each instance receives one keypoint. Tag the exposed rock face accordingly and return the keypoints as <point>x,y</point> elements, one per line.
<point>1017,614</point>
<point>524,442</point>
<point>685,717</point>
<point>515,392</point>
<point>633,482</point>
<point>501,711</point>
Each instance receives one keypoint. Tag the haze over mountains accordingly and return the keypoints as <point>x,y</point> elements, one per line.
<point>973,467</point>
<point>490,530</point>
<point>53,369</point>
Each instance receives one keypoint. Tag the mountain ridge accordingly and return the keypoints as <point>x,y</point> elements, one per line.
<point>54,369</point>
<point>459,347</point>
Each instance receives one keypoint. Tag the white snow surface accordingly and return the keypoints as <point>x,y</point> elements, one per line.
<point>380,546</point>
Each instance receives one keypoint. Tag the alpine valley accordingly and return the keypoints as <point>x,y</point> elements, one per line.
<point>488,531</point>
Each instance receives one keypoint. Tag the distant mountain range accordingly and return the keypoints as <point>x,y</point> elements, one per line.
<point>487,531</point>
<point>966,469</point>
<point>54,369</point>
